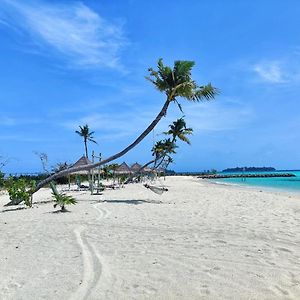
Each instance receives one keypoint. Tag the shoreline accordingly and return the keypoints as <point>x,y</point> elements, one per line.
<point>254,187</point>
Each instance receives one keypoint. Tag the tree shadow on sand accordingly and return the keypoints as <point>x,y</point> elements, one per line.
<point>59,211</point>
<point>133,202</point>
<point>13,209</point>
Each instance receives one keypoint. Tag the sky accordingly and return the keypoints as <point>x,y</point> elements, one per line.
<point>70,63</point>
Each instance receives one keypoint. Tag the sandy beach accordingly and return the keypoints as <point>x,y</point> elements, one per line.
<point>197,241</point>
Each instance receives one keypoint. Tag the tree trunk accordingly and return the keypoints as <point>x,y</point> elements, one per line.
<point>85,147</point>
<point>161,114</point>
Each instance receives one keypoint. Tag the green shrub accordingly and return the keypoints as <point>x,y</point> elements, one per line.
<point>61,199</point>
<point>1,179</point>
<point>20,190</point>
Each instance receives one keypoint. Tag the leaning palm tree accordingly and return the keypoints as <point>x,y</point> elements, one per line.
<point>175,83</point>
<point>87,136</point>
<point>179,130</point>
<point>162,151</point>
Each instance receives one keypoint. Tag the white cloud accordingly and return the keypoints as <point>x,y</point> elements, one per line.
<point>74,30</point>
<point>270,72</point>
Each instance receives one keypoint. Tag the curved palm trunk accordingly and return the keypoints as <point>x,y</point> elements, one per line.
<point>161,114</point>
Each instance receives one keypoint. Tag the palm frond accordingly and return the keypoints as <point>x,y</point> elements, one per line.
<point>207,92</point>
<point>178,82</point>
<point>184,138</point>
<point>63,199</point>
<point>178,129</point>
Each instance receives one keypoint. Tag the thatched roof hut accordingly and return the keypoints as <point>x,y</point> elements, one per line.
<point>82,161</point>
<point>123,169</point>
<point>136,167</point>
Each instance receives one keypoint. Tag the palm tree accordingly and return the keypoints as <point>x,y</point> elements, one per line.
<point>175,83</point>
<point>87,136</point>
<point>162,148</point>
<point>179,130</point>
<point>161,152</point>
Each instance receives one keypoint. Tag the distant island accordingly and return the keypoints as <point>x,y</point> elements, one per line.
<point>249,169</point>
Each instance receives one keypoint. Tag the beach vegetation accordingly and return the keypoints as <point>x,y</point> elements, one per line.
<point>1,179</point>
<point>163,149</point>
<point>20,190</point>
<point>61,199</point>
<point>87,135</point>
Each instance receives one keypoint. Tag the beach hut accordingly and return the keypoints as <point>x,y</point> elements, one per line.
<point>136,168</point>
<point>82,161</point>
<point>123,169</point>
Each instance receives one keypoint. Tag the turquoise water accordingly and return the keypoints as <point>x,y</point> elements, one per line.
<point>291,184</point>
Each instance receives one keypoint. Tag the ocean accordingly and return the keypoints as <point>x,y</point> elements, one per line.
<point>288,184</point>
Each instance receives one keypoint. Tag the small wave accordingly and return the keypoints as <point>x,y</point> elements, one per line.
<point>226,183</point>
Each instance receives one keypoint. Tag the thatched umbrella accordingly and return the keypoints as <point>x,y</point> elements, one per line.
<point>136,168</point>
<point>82,161</point>
<point>123,169</point>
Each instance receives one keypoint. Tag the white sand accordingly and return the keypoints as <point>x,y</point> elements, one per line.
<point>196,241</point>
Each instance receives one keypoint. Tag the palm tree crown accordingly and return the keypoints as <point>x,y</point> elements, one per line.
<point>87,136</point>
<point>179,130</point>
<point>177,82</point>
<point>162,148</point>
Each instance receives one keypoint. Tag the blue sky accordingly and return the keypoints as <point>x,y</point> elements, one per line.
<point>67,63</point>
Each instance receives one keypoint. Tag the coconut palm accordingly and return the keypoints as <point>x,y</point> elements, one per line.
<point>87,136</point>
<point>161,152</point>
<point>179,130</point>
<point>162,148</point>
<point>175,83</point>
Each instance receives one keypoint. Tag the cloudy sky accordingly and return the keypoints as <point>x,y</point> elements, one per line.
<point>68,63</point>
